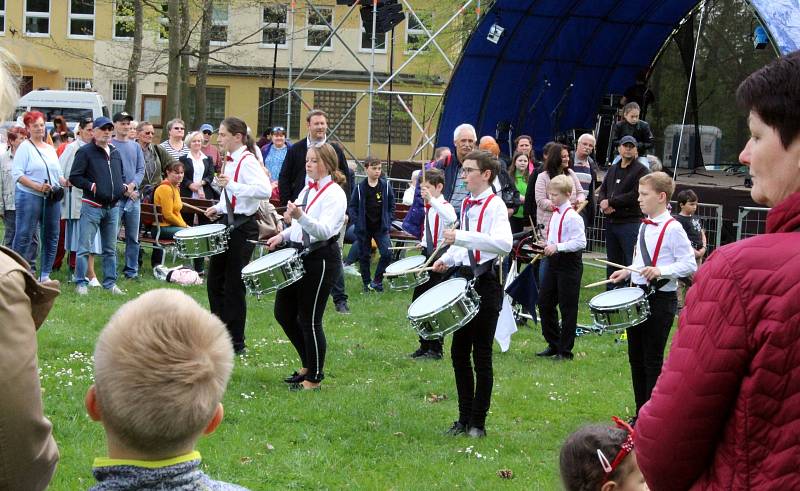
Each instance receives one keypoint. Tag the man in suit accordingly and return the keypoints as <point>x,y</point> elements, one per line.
<point>292,181</point>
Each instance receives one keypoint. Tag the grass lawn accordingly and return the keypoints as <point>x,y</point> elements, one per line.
<point>378,421</point>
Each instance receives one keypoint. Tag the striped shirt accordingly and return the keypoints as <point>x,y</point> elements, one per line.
<point>175,154</point>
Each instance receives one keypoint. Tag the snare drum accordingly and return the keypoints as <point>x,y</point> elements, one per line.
<point>619,309</point>
<point>202,241</point>
<point>272,272</point>
<point>399,280</point>
<point>443,309</point>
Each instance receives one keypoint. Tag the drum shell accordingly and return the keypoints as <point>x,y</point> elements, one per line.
<point>405,281</point>
<point>449,317</point>
<point>202,245</point>
<point>274,277</point>
<point>622,316</point>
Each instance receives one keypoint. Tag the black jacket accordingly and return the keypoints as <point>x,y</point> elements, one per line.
<point>293,173</point>
<point>640,131</point>
<point>188,177</point>
<point>623,196</point>
<point>94,168</point>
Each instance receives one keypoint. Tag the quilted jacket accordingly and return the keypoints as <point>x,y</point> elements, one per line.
<point>725,413</point>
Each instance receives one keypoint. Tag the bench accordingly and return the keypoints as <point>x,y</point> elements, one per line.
<point>401,238</point>
<point>150,230</point>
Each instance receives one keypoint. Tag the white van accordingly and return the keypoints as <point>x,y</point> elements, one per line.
<point>73,105</point>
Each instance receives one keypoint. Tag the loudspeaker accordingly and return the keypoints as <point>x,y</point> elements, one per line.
<point>388,14</point>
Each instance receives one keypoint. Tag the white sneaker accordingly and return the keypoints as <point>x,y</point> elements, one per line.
<point>82,290</point>
<point>351,270</point>
<point>44,279</point>
<point>94,283</point>
<point>116,291</point>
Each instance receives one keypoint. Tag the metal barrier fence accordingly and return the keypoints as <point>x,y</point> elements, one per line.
<point>751,221</point>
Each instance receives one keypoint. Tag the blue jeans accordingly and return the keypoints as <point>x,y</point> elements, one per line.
<point>107,221</point>
<point>383,241</point>
<point>31,210</point>
<point>129,218</point>
<point>620,242</point>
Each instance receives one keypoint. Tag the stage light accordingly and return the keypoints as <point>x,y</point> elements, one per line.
<point>495,32</point>
<point>760,38</point>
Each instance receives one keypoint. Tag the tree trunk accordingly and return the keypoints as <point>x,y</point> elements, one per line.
<point>202,66</point>
<point>174,67</point>
<point>136,58</point>
<point>185,33</point>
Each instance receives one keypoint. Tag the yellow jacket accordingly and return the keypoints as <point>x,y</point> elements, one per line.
<point>168,198</point>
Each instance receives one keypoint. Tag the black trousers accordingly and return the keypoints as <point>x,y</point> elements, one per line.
<point>646,343</point>
<point>561,290</point>
<point>475,338</point>
<point>226,291</point>
<point>434,279</point>
<point>299,308</point>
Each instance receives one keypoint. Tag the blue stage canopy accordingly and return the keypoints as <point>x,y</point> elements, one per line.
<point>596,46</point>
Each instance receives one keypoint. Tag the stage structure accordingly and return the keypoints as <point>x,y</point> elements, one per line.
<point>539,67</point>
<point>378,85</point>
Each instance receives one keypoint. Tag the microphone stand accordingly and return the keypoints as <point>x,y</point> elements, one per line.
<point>557,110</point>
<point>539,96</point>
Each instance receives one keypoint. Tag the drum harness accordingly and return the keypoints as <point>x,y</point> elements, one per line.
<point>655,285</point>
<point>306,247</point>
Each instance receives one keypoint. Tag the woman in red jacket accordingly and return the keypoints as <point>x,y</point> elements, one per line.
<point>725,413</point>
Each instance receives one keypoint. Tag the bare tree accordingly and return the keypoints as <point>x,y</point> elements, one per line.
<point>136,57</point>
<point>202,65</point>
<point>185,35</point>
<point>173,71</point>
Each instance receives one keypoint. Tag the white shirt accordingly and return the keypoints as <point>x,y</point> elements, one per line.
<point>675,258</point>
<point>250,187</point>
<point>408,195</point>
<point>573,232</point>
<point>493,239</point>
<point>323,216</point>
<point>446,215</point>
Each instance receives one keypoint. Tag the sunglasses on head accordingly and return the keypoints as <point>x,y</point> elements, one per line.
<point>279,129</point>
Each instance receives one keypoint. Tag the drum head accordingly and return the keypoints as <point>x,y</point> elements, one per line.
<point>271,259</point>
<point>200,231</point>
<point>616,298</point>
<point>438,296</point>
<point>412,262</point>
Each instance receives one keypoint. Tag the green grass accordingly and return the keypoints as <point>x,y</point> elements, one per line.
<point>373,425</point>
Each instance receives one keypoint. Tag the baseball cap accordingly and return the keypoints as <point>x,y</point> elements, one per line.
<point>628,139</point>
<point>102,121</point>
<point>206,127</point>
<point>122,115</point>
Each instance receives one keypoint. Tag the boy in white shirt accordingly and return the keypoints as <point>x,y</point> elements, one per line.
<point>485,233</point>
<point>566,239</point>
<point>439,216</point>
<point>667,255</point>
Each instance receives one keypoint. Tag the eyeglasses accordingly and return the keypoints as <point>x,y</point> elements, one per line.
<point>206,132</point>
<point>151,132</point>
<point>177,128</point>
<point>467,170</point>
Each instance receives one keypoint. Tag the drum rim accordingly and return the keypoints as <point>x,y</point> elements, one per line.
<point>444,306</point>
<point>276,256</point>
<point>186,232</point>
<point>413,264</point>
<point>633,301</point>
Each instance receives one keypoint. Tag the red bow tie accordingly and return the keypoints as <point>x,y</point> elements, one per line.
<point>427,206</point>
<point>313,185</point>
<point>647,221</point>
<point>229,159</point>
<point>556,210</point>
<point>471,202</point>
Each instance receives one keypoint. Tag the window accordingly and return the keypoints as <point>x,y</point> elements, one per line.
<point>215,104</point>
<point>219,24</point>
<point>336,104</point>
<point>317,30</point>
<point>415,35</point>
<point>163,31</point>
<point>366,40</point>
<point>78,84</point>
<point>81,18</point>
<point>123,19</point>
<point>273,25</point>
<point>2,17</point>
<point>279,110</point>
<point>401,121</point>
<point>119,92</point>
<point>37,18</point>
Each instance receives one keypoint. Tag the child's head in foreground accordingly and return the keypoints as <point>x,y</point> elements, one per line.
<point>161,367</point>
<point>601,458</point>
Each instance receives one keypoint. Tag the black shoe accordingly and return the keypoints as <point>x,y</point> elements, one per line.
<point>240,352</point>
<point>550,351</point>
<point>563,357</point>
<point>376,287</point>
<point>475,432</point>
<point>299,387</point>
<point>341,307</point>
<point>365,288</point>
<point>294,378</point>
<point>458,428</point>
<point>419,353</point>
<point>433,355</point>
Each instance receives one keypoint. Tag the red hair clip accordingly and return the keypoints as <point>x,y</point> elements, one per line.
<point>625,448</point>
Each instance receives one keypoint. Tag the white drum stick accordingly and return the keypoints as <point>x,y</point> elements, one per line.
<point>416,270</point>
<point>618,265</point>
<point>604,282</point>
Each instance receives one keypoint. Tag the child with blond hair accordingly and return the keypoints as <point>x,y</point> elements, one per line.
<point>160,375</point>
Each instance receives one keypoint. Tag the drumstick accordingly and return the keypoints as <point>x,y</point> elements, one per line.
<point>400,273</point>
<point>604,282</point>
<point>402,248</point>
<point>193,208</point>
<point>581,206</point>
<point>618,265</point>
<point>441,245</point>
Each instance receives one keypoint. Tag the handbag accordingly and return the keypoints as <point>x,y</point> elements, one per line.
<point>268,220</point>
<point>55,194</point>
